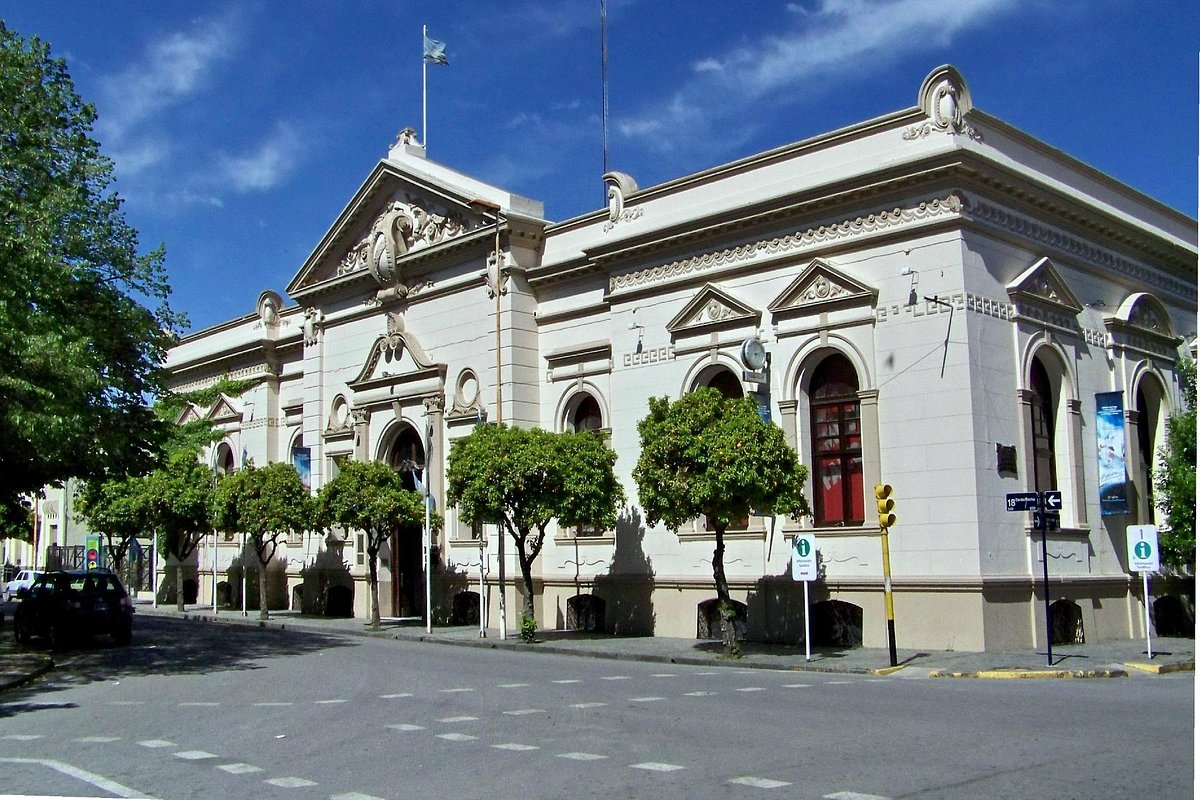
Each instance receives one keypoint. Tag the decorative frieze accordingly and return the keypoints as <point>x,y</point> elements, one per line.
<point>941,207</point>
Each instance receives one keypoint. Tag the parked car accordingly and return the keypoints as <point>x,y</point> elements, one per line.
<point>66,605</point>
<point>20,584</point>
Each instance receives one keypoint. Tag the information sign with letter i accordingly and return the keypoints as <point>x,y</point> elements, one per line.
<point>804,568</point>
<point>1142,541</point>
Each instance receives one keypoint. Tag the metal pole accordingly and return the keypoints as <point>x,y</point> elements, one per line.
<point>424,95</point>
<point>887,596</point>
<point>214,573</point>
<point>499,420</point>
<point>1046,586</point>
<point>482,603</point>
<point>807,636</point>
<point>244,574</point>
<point>1146,594</point>
<point>428,563</point>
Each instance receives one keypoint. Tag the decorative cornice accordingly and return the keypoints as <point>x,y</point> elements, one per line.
<point>940,207</point>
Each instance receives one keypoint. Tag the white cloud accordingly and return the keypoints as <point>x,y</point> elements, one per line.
<point>263,167</point>
<point>837,39</point>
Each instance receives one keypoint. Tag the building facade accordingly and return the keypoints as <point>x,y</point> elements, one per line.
<point>940,297</point>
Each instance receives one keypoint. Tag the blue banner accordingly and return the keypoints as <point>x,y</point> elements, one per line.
<point>1110,441</point>
<point>301,460</point>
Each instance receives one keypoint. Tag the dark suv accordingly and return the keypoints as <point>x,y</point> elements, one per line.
<point>64,605</point>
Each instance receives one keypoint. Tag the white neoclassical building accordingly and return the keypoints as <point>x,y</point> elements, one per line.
<point>946,304</point>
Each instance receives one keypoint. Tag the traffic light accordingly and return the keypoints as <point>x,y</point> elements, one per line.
<point>884,505</point>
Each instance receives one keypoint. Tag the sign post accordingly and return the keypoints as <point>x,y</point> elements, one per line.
<point>1045,507</point>
<point>804,568</point>
<point>1142,541</point>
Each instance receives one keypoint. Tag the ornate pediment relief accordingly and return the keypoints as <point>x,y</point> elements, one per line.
<point>946,101</point>
<point>392,356</point>
<point>712,309</point>
<point>819,288</point>
<point>1041,284</point>
<point>189,413</point>
<point>1142,323</point>
<point>405,226</point>
<point>226,409</point>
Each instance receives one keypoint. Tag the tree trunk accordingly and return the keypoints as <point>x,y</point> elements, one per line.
<point>179,585</point>
<point>262,591</point>
<point>373,580</point>
<point>526,581</point>
<point>724,604</point>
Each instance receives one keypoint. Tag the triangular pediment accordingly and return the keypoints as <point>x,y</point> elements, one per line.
<point>710,309</point>
<point>408,210</point>
<point>819,287</point>
<point>189,413</point>
<point>1041,285</point>
<point>226,409</point>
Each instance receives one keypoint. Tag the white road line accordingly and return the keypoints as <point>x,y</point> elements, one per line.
<point>877,680</point>
<point>97,739</point>
<point>568,680</point>
<point>329,702</point>
<point>394,696</point>
<point>457,737</point>
<point>663,675</point>
<point>273,704</point>
<point>454,691</point>
<point>513,685</point>
<point>581,756</point>
<point>127,703</point>
<point>587,705</point>
<point>520,712</point>
<point>458,719</point>
<point>797,685</point>
<point>239,768</point>
<point>199,703</point>
<point>759,783</point>
<point>750,689</point>
<point>698,694</point>
<point>153,743</point>
<point>614,678</point>
<point>22,737</point>
<point>515,746</point>
<point>854,796</point>
<point>195,755</point>
<point>403,726</point>
<point>354,796</point>
<point>838,683</point>
<point>100,782</point>
<point>644,699</point>
<point>706,673</point>
<point>655,766</point>
<point>290,782</point>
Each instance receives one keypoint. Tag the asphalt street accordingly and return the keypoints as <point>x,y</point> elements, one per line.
<point>203,711</point>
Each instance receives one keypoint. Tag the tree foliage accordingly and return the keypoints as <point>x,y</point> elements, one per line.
<point>119,510</point>
<point>16,521</point>
<point>79,352</point>
<point>525,478</point>
<point>1175,478</point>
<point>370,496</point>
<point>178,499</point>
<point>265,503</point>
<point>195,435</point>
<point>707,456</point>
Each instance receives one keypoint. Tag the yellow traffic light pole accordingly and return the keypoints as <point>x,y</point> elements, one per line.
<point>884,505</point>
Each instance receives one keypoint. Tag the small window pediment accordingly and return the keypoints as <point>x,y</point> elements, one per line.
<point>189,413</point>
<point>226,409</point>
<point>396,354</point>
<point>1142,323</point>
<point>819,288</point>
<point>1042,286</point>
<point>712,309</point>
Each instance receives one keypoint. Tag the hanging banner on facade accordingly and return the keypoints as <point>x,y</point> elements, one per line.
<point>1110,439</point>
<point>301,460</point>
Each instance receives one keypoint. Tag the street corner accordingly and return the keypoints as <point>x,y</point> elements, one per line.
<point>1160,669</point>
<point>1031,674</point>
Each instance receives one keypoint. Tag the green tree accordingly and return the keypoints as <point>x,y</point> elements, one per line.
<point>177,499</point>
<point>524,478</point>
<point>266,503</point>
<point>705,455</point>
<point>16,520</point>
<point>79,352</point>
<point>1175,478</point>
<point>118,510</point>
<point>370,497</point>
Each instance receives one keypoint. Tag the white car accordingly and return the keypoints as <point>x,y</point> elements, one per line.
<point>23,581</point>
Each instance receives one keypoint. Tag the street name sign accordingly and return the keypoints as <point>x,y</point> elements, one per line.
<point>804,557</point>
<point>1021,501</point>
<point>1142,541</point>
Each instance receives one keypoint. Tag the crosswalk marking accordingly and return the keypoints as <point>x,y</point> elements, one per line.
<point>200,704</point>
<point>513,685</point>
<point>195,755</point>
<point>614,678</point>
<point>797,685</point>
<point>568,680</point>
<point>354,796</point>
<point>759,783</point>
<point>238,768</point>
<point>750,689</point>
<point>22,737</point>
<point>154,743</point>
<point>520,712</point>
<point>515,746</point>
<point>854,796</point>
<point>127,702</point>
<point>699,694</point>
<point>454,691</point>
<point>330,702</point>
<point>655,766</point>
<point>98,739</point>
<point>265,704</point>
<point>458,719</point>
<point>290,782</point>
<point>587,705</point>
<point>404,726</point>
<point>582,756</point>
<point>663,675</point>
<point>394,696</point>
<point>457,737</point>
<point>644,699</point>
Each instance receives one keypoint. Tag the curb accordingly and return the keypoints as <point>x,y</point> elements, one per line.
<point>1021,674</point>
<point>45,665</point>
<point>1161,669</point>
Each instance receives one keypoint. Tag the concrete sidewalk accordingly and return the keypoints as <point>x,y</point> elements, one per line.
<point>19,665</point>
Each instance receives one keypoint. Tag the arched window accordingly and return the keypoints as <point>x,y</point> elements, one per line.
<point>836,443</point>
<point>1041,422</point>
<point>726,383</point>
<point>225,463</point>
<point>407,454</point>
<point>586,416</point>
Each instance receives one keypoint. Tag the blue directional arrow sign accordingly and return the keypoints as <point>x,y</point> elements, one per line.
<point>1021,501</point>
<point>1053,500</point>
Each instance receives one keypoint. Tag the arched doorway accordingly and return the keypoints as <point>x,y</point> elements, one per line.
<point>406,455</point>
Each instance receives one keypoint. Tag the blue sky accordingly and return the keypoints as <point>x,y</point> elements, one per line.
<point>241,129</point>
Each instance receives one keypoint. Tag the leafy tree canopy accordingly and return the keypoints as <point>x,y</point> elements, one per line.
<point>708,455</point>
<point>79,351</point>
<point>16,521</point>
<point>195,435</point>
<point>1175,479</point>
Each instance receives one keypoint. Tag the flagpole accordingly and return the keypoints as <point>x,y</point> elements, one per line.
<point>424,95</point>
